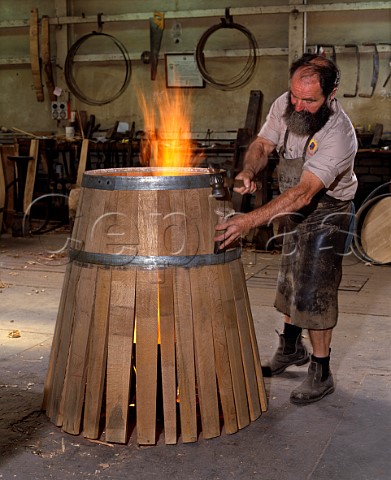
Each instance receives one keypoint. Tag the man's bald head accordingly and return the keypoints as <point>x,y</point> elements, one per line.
<point>311,65</point>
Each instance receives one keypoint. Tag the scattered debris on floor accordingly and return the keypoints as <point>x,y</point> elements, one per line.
<point>14,334</point>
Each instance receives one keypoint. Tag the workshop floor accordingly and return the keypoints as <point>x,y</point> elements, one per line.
<point>345,436</point>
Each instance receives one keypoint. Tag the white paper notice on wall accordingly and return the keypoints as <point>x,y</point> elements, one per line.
<point>123,127</point>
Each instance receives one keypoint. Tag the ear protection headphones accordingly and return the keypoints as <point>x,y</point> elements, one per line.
<point>337,75</point>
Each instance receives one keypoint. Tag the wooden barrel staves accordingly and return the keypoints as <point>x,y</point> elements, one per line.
<point>146,302</point>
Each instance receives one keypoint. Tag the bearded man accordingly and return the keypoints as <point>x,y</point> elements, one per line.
<point>316,144</point>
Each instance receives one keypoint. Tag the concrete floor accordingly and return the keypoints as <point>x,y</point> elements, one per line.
<point>345,436</point>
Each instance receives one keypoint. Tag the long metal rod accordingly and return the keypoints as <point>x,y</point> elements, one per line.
<point>220,12</point>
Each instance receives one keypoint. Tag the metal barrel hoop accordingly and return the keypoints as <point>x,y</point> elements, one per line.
<point>242,77</point>
<point>70,79</point>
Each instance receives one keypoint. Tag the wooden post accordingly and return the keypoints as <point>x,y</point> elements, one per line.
<point>82,161</point>
<point>34,54</point>
<point>2,191</point>
<point>297,32</point>
<point>30,178</point>
<point>74,194</point>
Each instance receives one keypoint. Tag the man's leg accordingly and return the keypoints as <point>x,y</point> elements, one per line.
<point>321,341</point>
<point>319,381</point>
<point>290,351</point>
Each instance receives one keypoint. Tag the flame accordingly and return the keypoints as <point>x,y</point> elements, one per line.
<point>167,127</point>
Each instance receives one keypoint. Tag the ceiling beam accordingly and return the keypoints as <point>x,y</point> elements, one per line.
<point>237,11</point>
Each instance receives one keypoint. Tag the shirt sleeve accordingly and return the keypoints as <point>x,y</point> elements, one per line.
<point>334,155</point>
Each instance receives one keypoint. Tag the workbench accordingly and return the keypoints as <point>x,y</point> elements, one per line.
<point>59,158</point>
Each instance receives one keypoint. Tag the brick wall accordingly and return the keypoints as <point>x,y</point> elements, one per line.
<point>373,168</point>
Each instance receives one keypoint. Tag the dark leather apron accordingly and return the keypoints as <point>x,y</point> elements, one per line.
<point>289,170</point>
<point>313,249</point>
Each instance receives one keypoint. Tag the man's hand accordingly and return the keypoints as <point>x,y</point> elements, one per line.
<point>232,230</point>
<point>255,160</point>
<point>292,200</point>
<point>244,182</point>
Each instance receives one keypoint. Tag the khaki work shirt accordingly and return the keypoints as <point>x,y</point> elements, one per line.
<point>330,153</point>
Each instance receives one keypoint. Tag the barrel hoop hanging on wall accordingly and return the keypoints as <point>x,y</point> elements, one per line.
<point>243,77</point>
<point>70,79</point>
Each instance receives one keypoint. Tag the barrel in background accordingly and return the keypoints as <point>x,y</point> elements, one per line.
<point>372,239</point>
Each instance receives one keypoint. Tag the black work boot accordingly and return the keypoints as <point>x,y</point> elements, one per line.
<point>313,388</point>
<point>298,354</point>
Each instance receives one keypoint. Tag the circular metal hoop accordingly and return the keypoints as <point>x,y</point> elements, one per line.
<point>241,78</point>
<point>70,79</point>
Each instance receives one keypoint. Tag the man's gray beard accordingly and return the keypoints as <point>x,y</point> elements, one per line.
<point>306,123</point>
<point>299,123</point>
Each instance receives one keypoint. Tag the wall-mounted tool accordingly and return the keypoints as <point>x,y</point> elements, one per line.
<point>319,49</point>
<point>156,27</point>
<point>375,70</point>
<point>351,95</point>
<point>388,76</point>
<point>34,54</point>
<point>46,60</point>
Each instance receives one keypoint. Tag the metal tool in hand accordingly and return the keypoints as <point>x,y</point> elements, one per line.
<point>216,181</point>
<point>240,184</point>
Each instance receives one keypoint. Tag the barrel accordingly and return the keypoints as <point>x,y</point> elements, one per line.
<point>148,307</point>
<point>372,239</point>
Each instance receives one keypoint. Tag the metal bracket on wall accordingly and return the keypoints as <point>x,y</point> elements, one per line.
<point>351,95</point>
<point>100,23</point>
<point>319,49</point>
<point>388,76</point>
<point>375,70</point>
<point>389,64</point>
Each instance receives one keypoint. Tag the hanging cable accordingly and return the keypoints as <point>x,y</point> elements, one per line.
<point>247,72</point>
<point>70,79</point>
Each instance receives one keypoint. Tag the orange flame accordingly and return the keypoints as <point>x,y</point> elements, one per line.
<point>167,127</point>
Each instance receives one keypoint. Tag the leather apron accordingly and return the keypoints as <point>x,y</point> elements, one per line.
<point>312,253</point>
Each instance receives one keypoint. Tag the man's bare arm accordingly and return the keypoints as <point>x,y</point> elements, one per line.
<point>255,160</point>
<point>290,201</point>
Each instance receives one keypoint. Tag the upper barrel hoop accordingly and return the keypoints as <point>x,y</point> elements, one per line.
<point>147,178</point>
